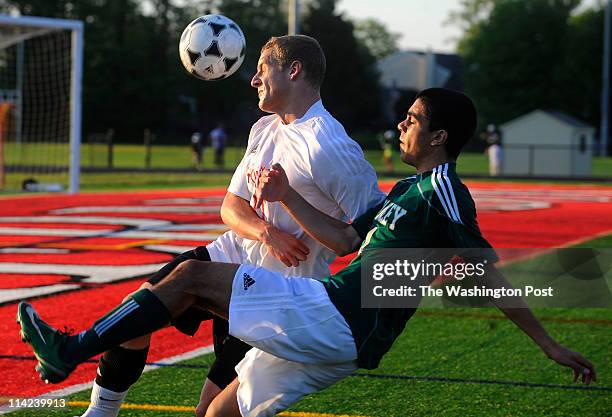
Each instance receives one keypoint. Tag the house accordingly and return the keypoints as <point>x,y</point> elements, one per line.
<point>548,144</point>
<point>405,73</point>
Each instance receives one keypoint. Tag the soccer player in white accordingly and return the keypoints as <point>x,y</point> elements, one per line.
<point>322,162</point>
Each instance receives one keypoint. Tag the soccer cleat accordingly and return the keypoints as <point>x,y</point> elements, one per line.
<point>46,343</point>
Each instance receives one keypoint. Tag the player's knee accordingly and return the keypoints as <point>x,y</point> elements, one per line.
<point>215,409</point>
<point>225,403</point>
<point>188,268</point>
<point>208,395</point>
<point>189,272</point>
<point>200,411</point>
<point>203,407</point>
<point>222,409</point>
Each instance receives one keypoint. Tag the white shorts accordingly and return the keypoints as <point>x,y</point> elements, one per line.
<point>302,343</point>
<point>269,384</point>
<point>226,248</point>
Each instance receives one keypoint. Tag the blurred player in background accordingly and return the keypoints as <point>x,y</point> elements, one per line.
<point>386,144</point>
<point>218,141</point>
<point>197,149</point>
<point>493,150</point>
<point>327,167</point>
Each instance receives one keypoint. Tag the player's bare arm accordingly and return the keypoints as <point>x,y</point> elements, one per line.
<point>336,235</point>
<point>522,316</point>
<point>237,213</point>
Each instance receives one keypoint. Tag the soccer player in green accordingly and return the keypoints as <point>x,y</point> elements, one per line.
<point>307,334</point>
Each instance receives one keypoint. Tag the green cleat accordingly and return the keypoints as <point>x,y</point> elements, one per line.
<point>46,342</point>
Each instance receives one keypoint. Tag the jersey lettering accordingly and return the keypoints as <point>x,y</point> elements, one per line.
<point>390,211</point>
<point>253,176</point>
<point>398,213</point>
<point>382,214</point>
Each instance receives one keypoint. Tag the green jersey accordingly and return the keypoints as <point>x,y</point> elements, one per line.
<point>429,210</point>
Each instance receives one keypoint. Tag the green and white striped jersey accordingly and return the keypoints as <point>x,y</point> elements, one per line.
<point>430,210</point>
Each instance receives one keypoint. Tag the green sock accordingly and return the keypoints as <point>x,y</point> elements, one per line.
<point>141,314</point>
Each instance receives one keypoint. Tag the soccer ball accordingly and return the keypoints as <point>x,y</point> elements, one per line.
<point>212,47</point>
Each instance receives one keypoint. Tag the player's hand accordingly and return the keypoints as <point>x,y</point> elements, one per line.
<point>580,365</point>
<point>284,246</point>
<point>273,185</point>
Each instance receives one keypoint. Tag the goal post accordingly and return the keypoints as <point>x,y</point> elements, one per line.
<point>44,95</point>
<point>4,111</point>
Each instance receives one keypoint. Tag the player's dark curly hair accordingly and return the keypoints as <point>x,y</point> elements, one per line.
<point>451,111</point>
<point>289,48</point>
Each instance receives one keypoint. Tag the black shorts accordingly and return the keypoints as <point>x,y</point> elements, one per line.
<point>228,350</point>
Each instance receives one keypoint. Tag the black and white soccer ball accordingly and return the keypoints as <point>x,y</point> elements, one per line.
<point>212,47</point>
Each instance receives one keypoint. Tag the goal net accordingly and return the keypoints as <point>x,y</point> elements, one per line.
<point>40,103</point>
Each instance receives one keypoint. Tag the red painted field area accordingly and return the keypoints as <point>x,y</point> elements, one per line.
<point>75,257</point>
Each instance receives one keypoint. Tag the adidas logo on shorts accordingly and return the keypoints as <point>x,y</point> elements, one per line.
<point>247,281</point>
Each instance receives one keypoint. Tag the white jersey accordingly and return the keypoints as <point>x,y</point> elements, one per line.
<point>322,163</point>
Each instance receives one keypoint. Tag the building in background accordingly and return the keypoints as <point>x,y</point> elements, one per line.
<point>547,144</point>
<point>405,73</point>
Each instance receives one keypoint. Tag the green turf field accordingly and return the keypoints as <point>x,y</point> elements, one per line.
<point>448,362</point>
<point>487,358</point>
<point>179,157</point>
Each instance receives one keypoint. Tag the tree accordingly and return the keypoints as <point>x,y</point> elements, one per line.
<point>513,56</point>
<point>522,55</point>
<point>471,13</point>
<point>59,8</point>
<point>374,36</point>
<point>351,89</point>
<point>579,76</point>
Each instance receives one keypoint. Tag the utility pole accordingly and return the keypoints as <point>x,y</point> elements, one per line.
<point>605,91</point>
<point>294,17</point>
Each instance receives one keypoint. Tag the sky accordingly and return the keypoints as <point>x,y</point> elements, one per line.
<point>422,24</point>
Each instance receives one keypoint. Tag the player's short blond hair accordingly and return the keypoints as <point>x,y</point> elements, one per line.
<point>289,48</point>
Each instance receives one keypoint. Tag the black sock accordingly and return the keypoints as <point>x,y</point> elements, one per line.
<point>141,314</point>
<point>119,368</point>
<point>220,333</point>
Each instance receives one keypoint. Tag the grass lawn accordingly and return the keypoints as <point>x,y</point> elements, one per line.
<point>179,157</point>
